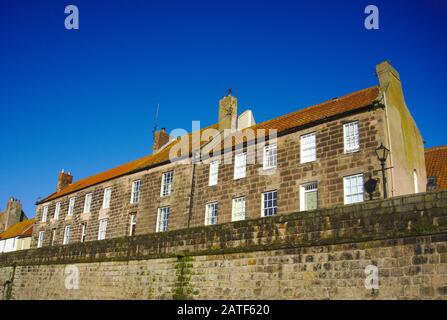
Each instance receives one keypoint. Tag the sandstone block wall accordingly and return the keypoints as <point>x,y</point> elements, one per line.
<point>308,255</point>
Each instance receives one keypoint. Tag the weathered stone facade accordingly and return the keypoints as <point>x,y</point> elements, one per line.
<point>320,254</point>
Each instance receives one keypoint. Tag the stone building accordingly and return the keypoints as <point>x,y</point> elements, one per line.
<point>436,164</point>
<point>12,215</point>
<point>320,156</point>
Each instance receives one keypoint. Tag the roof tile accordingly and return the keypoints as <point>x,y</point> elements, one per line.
<point>436,165</point>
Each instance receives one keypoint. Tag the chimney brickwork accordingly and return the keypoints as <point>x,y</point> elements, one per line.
<point>160,139</point>
<point>63,180</point>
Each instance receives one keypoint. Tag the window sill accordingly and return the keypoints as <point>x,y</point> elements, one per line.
<point>307,162</point>
<point>85,216</point>
<point>353,151</point>
<point>103,214</point>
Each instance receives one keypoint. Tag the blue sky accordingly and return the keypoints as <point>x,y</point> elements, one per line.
<point>84,100</point>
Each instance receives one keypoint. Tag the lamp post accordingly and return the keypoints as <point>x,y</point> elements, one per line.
<point>382,153</point>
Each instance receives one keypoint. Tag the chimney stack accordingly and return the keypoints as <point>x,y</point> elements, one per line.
<point>228,112</point>
<point>12,215</point>
<point>63,180</point>
<point>387,74</point>
<point>160,139</point>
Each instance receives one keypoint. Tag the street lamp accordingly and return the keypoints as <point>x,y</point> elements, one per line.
<point>382,153</point>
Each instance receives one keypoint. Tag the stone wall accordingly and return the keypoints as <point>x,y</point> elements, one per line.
<point>308,255</point>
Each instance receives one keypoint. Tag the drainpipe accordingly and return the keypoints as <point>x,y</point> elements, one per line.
<point>192,187</point>
<point>389,142</point>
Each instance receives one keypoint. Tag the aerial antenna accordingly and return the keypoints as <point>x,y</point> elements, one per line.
<point>156,119</point>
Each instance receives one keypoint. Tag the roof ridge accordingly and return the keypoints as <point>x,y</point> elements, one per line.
<point>437,148</point>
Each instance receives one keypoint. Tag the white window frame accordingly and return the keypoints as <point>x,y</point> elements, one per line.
<point>211,213</point>
<point>270,156</point>
<point>71,204</point>
<point>167,179</point>
<point>305,188</point>
<point>40,239</point>
<point>45,213</point>
<point>213,173</point>
<point>351,137</point>
<point>274,199</point>
<point>348,187</point>
<point>133,222</point>
<point>308,147</point>
<point>83,232</point>
<point>102,231</point>
<point>163,219</point>
<point>106,198</point>
<point>53,236</point>
<point>240,165</point>
<point>67,234</point>
<point>135,194</point>
<point>57,211</point>
<point>238,210</point>
<point>88,202</point>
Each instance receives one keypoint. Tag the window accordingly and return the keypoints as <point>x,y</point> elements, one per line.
<point>162,219</point>
<point>308,196</point>
<point>102,229</point>
<point>106,199</point>
<point>45,214</point>
<point>71,206</point>
<point>87,202</point>
<point>415,181</point>
<point>83,232</point>
<point>214,173</point>
<point>166,183</point>
<point>269,203</point>
<point>238,211</point>
<point>40,239</point>
<point>53,237</point>
<point>353,188</point>
<point>67,233</point>
<point>240,162</point>
<point>57,210</point>
<point>269,156</point>
<point>133,224</point>
<point>351,136</point>
<point>135,196</point>
<point>211,213</point>
<point>308,147</point>
<point>431,183</point>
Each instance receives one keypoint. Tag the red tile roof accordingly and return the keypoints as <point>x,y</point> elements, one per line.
<point>350,102</point>
<point>21,229</point>
<point>436,165</point>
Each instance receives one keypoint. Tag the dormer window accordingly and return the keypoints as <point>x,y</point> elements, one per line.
<point>431,183</point>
